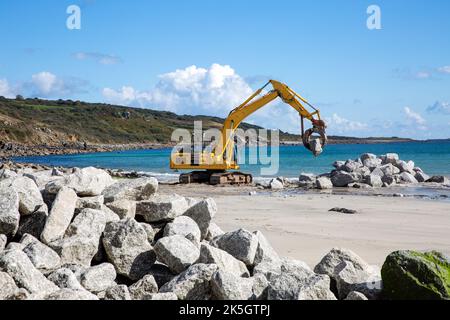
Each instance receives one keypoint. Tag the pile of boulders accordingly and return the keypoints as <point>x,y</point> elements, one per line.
<point>370,171</point>
<point>83,235</point>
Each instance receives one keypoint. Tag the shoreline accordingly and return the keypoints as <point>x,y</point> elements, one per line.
<point>423,191</point>
<point>13,150</point>
<point>10,150</point>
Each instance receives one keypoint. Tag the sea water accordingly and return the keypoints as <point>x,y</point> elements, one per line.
<point>432,157</point>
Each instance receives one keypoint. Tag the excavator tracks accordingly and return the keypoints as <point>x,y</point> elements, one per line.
<point>216,178</point>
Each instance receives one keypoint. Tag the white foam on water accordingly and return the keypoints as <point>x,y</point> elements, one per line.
<point>161,177</point>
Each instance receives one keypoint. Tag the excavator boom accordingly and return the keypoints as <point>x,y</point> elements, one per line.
<point>216,163</point>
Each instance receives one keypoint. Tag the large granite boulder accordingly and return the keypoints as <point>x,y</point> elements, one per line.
<point>389,169</point>
<point>213,231</point>
<point>405,166</point>
<point>276,184</point>
<point>343,178</point>
<point>70,294</point>
<point>367,156</point>
<point>408,178</point>
<point>202,212</point>
<point>176,252</point>
<point>228,286</point>
<point>372,163</point>
<point>141,289</point>
<point>374,181</point>
<point>33,224</point>
<point>30,198</point>
<point>17,264</point>
<point>439,179</point>
<point>9,212</point>
<point>82,238</point>
<point>60,215</point>
<point>43,257</point>
<point>241,244</point>
<point>264,251</point>
<point>291,286</point>
<point>95,202</point>
<point>349,272</point>
<point>421,176</point>
<point>7,286</point>
<point>193,283</point>
<point>183,226</point>
<point>64,278</point>
<point>98,278</point>
<point>333,259</point>
<point>162,207</point>
<point>351,165</point>
<point>307,180</point>
<point>412,275</point>
<point>391,158</point>
<point>224,260</point>
<point>349,278</point>
<point>124,208</point>
<point>128,249</point>
<point>117,293</point>
<point>131,189</point>
<point>86,182</point>
<point>41,178</point>
<point>324,183</point>
<point>338,164</point>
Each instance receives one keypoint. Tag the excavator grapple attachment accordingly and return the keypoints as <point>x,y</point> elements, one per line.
<point>314,140</point>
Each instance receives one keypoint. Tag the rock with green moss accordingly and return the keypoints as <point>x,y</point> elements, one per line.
<point>412,275</point>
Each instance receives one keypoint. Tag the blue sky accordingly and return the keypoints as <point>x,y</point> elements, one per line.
<point>204,57</point>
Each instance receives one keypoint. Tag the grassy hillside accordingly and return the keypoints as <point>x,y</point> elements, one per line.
<point>37,121</point>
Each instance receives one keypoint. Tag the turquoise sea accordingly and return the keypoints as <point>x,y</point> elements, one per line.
<point>432,157</point>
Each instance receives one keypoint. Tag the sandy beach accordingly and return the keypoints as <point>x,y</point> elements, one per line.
<point>301,227</point>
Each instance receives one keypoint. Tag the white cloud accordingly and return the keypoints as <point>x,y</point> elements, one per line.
<point>340,125</point>
<point>408,74</point>
<point>44,85</point>
<point>48,85</point>
<point>444,69</point>
<point>439,107</point>
<point>193,90</point>
<point>106,59</point>
<point>413,116</point>
<point>216,91</point>
<point>5,89</point>
<point>46,82</point>
<point>423,75</point>
<point>414,119</point>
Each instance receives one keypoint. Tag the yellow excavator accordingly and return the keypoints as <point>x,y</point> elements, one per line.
<point>213,166</point>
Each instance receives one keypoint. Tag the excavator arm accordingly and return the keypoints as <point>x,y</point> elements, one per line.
<point>288,96</point>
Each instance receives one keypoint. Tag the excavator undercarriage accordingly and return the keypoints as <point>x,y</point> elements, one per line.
<point>216,177</point>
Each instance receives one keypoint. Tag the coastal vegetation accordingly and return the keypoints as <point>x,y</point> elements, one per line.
<point>56,122</point>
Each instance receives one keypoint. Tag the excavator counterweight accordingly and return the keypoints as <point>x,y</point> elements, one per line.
<point>213,166</point>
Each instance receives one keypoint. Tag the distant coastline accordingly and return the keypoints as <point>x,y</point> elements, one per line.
<point>38,127</point>
<point>12,150</point>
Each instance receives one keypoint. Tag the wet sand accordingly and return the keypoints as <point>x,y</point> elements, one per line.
<point>300,226</point>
